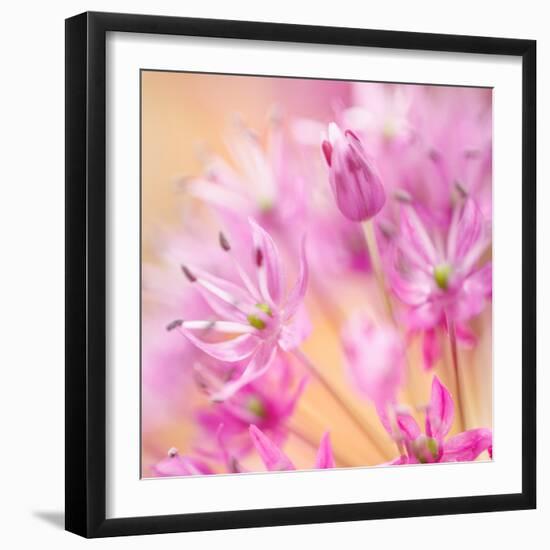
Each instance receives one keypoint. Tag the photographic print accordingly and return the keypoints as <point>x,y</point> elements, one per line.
<point>316,274</point>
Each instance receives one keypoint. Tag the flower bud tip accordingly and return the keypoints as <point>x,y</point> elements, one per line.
<point>402,196</point>
<point>327,151</point>
<point>259,257</point>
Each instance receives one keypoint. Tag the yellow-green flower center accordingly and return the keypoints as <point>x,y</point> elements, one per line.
<point>423,446</point>
<point>256,407</point>
<point>266,204</point>
<point>442,274</point>
<point>389,130</point>
<point>431,443</point>
<point>258,322</point>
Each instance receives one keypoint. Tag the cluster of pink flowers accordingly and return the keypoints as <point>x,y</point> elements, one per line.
<point>396,190</point>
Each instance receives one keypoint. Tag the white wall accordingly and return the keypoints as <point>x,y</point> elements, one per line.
<point>31,275</point>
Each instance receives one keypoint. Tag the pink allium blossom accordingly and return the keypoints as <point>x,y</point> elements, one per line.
<point>441,282</point>
<point>267,402</point>
<point>354,181</point>
<point>382,112</point>
<point>375,358</point>
<point>257,317</point>
<point>276,460</point>
<point>265,184</point>
<point>433,445</point>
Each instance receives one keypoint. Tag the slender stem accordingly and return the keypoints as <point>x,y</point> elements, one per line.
<point>305,438</point>
<point>362,426</point>
<point>456,369</point>
<point>376,264</point>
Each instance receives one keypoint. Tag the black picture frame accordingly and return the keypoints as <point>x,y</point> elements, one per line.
<point>86,273</point>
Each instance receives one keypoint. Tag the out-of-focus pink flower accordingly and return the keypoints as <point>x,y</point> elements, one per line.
<point>337,246</point>
<point>407,130</point>
<point>433,445</point>
<point>257,317</point>
<point>354,181</point>
<point>276,460</point>
<point>177,465</point>
<point>441,282</point>
<point>382,112</point>
<point>266,184</point>
<point>267,402</point>
<point>375,358</point>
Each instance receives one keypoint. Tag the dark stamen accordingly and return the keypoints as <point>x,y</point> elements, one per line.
<point>472,153</point>
<point>174,324</point>
<point>461,189</point>
<point>402,196</point>
<point>172,452</point>
<point>259,257</point>
<point>190,277</point>
<point>200,381</point>
<point>387,229</point>
<point>434,155</point>
<point>224,243</point>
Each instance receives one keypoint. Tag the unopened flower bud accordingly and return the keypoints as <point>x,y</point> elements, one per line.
<point>355,184</point>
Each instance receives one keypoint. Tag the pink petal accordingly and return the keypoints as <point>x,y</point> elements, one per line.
<point>271,455</point>
<point>465,231</point>
<point>417,245</point>
<point>374,358</point>
<point>325,458</point>
<point>224,328</point>
<point>384,417</point>
<point>268,264</point>
<point>431,349</point>
<point>440,415</point>
<point>465,336</point>
<point>218,196</point>
<point>413,289</point>
<point>225,298</point>
<point>327,151</point>
<point>476,290</point>
<point>423,317</point>
<point>481,281</point>
<point>408,426</point>
<point>298,292</point>
<point>237,349</point>
<point>231,462</point>
<point>258,366</point>
<point>295,331</point>
<point>467,445</point>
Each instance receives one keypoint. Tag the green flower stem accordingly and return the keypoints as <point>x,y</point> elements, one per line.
<point>456,370</point>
